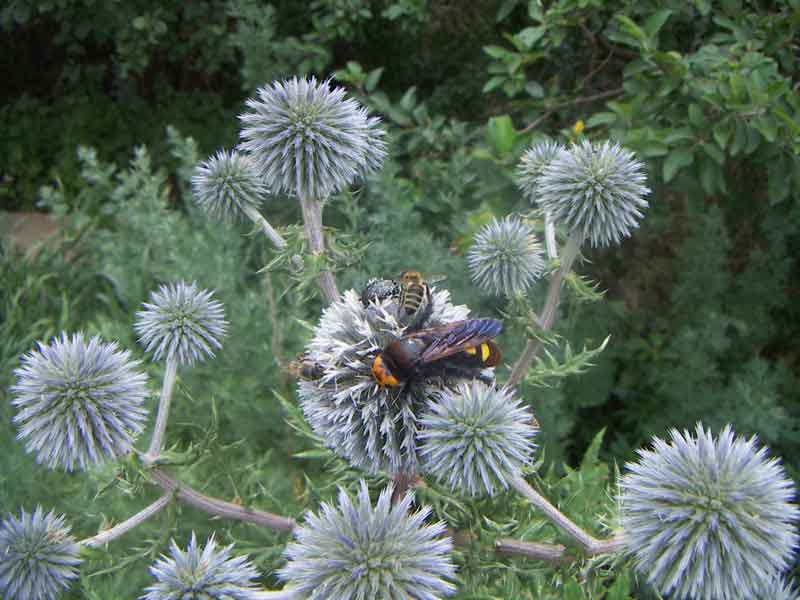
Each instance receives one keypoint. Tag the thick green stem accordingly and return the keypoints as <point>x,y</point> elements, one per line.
<point>312,224</point>
<point>220,508</point>
<point>548,315</point>
<point>102,538</point>
<point>157,441</point>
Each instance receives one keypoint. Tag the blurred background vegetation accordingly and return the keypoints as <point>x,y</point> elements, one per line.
<point>107,107</point>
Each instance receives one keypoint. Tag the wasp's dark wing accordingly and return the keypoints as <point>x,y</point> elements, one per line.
<point>452,338</point>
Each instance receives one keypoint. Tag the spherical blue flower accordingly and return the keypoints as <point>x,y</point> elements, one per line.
<point>531,165</point>
<point>228,185</point>
<point>78,402</point>
<point>708,518</point>
<point>477,438</point>
<point>181,322</point>
<point>597,190</point>
<point>354,551</point>
<point>506,257</point>
<point>373,427</point>
<point>307,139</point>
<point>38,557</point>
<point>209,573</point>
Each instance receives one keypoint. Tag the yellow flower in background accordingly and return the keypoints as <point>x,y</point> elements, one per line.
<point>578,128</point>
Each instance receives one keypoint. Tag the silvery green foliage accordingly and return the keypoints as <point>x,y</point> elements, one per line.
<point>182,322</point>
<point>210,573</point>
<point>477,438</point>
<point>374,428</point>
<point>595,189</point>
<point>307,139</point>
<point>531,165</point>
<point>227,184</point>
<point>355,551</point>
<point>505,257</point>
<point>38,556</point>
<point>708,518</point>
<point>79,402</point>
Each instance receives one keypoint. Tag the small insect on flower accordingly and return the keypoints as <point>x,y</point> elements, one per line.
<point>38,557</point>
<point>463,348</point>
<point>303,367</point>
<point>377,290</point>
<point>415,296</point>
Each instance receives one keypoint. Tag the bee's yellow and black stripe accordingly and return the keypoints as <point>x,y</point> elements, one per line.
<point>487,353</point>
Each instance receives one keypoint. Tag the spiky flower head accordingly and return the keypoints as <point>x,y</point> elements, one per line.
<point>80,402</point>
<point>210,573</point>
<point>531,165</point>
<point>181,322</point>
<point>354,551</point>
<point>477,438</point>
<point>373,427</point>
<point>779,588</point>
<point>506,257</point>
<point>308,139</point>
<point>38,556</point>
<point>708,518</point>
<point>597,190</point>
<point>228,185</point>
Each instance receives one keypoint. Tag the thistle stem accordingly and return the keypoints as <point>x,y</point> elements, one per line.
<point>548,315</point>
<point>102,538</point>
<point>550,237</point>
<point>553,553</point>
<point>312,224</point>
<point>220,508</point>
<point>157,441</point>
<point>590,544</point>
<point>272,234</point>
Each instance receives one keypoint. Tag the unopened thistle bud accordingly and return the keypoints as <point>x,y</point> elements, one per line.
<point>228,185</point>
<point>476,439</point>
<point>79,402</point>
<point>181,322</point>
<point>506,257</point>
<point>355,550</point>
<point>38,557</point>
<point>308,139</point>
<point>210,573</point>
<point>708,518</point>
<point>531,165</point>
<point>597,190</point>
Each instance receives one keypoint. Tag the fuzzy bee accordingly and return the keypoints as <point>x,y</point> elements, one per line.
<point>415,296</point>
<point>303,367</point>
<point>461,348</point>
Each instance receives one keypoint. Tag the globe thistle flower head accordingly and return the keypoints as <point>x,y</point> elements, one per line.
<point>307,139</point>
<point>355,550</point>
<point>506,257</point>
<point>228,185</point>
<point>38,557</point>
<point>476,439</point>
<point>181,322</point>
<point>79,402</point>
<point>708,518</point>
<point>597,190</point>
<point>533,161</point>
<point>372,427</point>
<point>210,573</point>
